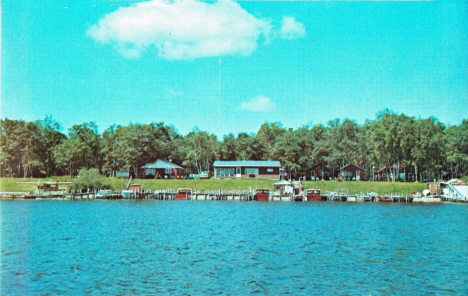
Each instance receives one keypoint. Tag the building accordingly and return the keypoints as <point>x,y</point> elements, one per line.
<point>263,169</point>
<point>454,190</point>
<point>390,172</point>
<point>320,171</point>
<point>352,172</point>
<point>162,169</point>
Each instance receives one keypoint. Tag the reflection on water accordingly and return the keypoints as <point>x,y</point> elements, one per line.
<point>197,247</point>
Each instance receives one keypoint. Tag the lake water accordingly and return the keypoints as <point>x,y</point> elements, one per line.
<point>232,248</point>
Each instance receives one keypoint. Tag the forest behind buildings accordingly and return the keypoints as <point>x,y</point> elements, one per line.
<point>391,143</point>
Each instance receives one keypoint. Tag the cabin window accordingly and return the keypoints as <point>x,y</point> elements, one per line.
<point>251,171</point>
<point>269,170</point>
<point>168,171</point>
<point>150,172</point>
<point>225,172</point>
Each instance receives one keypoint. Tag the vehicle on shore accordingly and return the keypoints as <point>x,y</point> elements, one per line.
<point>204,175</point>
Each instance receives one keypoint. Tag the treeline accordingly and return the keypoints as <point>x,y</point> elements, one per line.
<point>392,141</point>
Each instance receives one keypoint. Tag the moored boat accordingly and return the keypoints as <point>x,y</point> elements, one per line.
<point>126,194</point>
<point>298,193</point>
<point>183,194</point>
<point>385,198</point>
<point>283,191</point>
<point>104,193</point>
<point>262,194</point>
<point>313,194</point>
<point>427,199</point>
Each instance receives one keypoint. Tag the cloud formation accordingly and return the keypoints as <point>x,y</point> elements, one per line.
<point>291,29</point>
<point>184,29</point>
<point>188,29</point>
<point>258,104</point>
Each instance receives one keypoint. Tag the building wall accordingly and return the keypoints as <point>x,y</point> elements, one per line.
<point>348,173</point>
<point>275,177</point>
<point>317,172</point>
<point>175,173</point>
<point>263,172</point>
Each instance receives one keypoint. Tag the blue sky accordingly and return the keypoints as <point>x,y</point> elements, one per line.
<point>231,66</point>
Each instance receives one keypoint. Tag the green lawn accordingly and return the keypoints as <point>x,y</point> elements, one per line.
<point>11,184</point>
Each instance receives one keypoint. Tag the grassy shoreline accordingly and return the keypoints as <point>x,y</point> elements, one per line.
<point>353,187</point>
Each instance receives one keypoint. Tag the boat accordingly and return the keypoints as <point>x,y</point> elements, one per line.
<point>385,198</point>
<point>426,197</point>
<point>184,194</point>
<point>262,194</point>
<point>340,194</point>
<point>283,191</point>
<point>126,194</point>
<point>298,193</point>
<point>46,190</point>
<point>352,198</point>
<point>104,193</point>
<point>370,196</point>
<point>313,194</point>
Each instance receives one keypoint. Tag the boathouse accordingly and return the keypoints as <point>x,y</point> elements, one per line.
<point>454,190</point>
<point>263,169</point>
<point>162,169</point>
<point>352,172</point>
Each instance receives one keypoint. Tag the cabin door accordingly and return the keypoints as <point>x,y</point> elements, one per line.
<point>238,172</point>
<point>358,175</point>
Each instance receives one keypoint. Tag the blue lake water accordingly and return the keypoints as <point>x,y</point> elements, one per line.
<point>232,248</point>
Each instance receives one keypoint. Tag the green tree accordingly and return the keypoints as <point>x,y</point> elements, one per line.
<point>457,149</point>
<point>80,150</point>
<point>89,179</point>
<point>228,148</point>
<point>250,148</point>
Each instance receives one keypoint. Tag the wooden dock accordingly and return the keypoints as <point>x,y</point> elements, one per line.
<point>218,195</point>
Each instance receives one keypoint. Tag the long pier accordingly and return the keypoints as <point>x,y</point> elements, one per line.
<point>221,194</point>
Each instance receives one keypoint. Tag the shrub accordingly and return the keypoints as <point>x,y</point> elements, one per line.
<point>89,179</point>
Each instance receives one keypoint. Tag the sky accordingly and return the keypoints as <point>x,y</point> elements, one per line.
<point>228,67</point>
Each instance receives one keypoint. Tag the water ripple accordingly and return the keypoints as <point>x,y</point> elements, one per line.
<point>160,247</point>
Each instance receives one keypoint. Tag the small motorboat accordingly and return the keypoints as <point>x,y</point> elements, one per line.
<point>104,193</point>
<point>313,194</point>
<point>184,194</point>
<point>262,194</point>
<point>283,191</point>
<point>385,198</point>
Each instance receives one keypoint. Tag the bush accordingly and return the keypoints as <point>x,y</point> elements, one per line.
<point>251,176</point>
<point>89,179</point>
<point>465,178</point>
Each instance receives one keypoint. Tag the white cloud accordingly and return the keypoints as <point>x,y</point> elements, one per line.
<point>259,104</point>
<point>292,29</point>
<point>181,29</point>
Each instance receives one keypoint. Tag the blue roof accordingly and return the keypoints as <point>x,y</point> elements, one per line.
<point>161,164</point>
<point>247,163</point>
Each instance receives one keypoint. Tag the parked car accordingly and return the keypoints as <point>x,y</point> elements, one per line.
<point>204,175</point>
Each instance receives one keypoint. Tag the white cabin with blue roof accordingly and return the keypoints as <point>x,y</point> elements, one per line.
<point>262,169</point>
